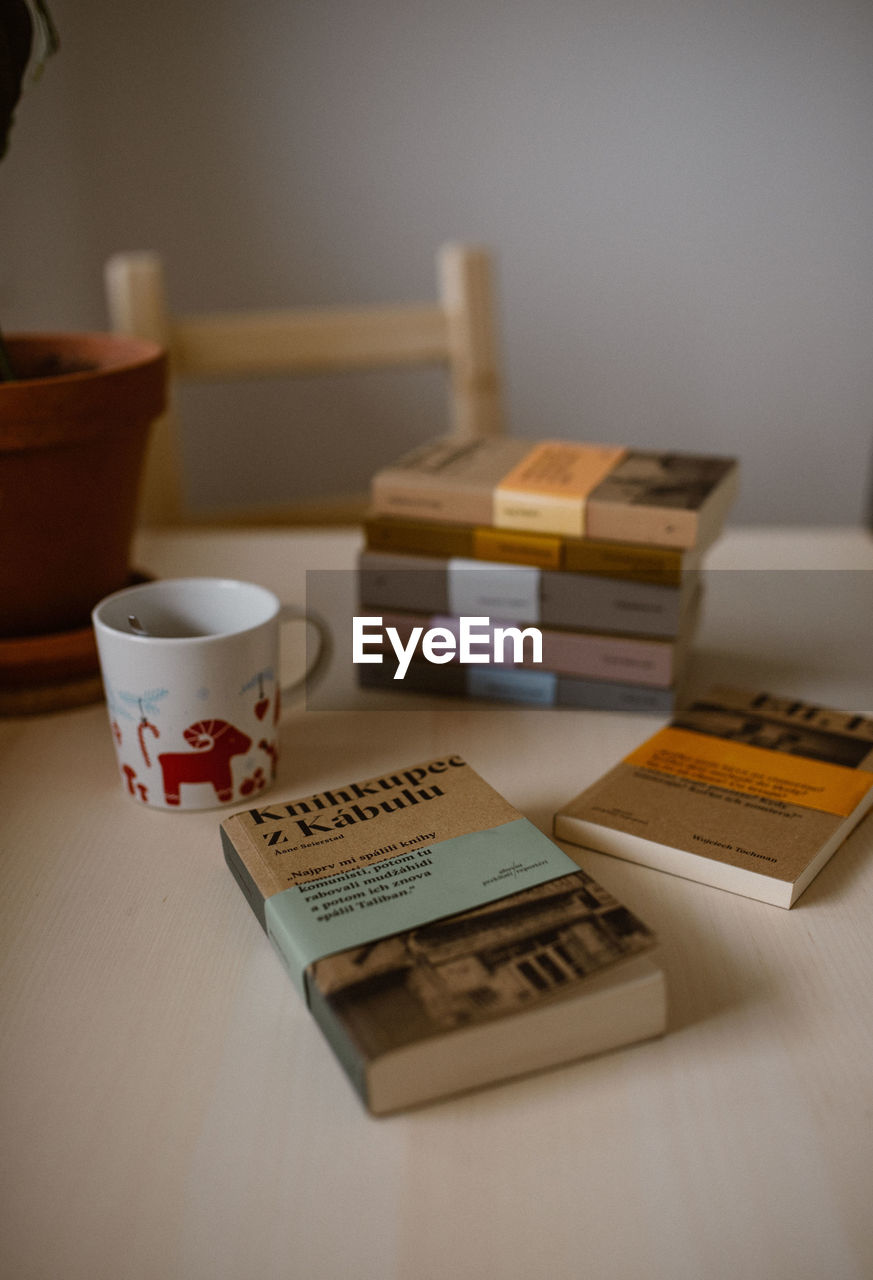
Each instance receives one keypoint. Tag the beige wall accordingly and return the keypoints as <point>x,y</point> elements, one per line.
<point>679,193</point>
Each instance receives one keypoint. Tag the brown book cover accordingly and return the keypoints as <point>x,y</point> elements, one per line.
<point>562,487</point>
<point>440,940</point>
<point>746,791</point>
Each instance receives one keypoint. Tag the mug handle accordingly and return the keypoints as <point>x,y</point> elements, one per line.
<point>323,654</point>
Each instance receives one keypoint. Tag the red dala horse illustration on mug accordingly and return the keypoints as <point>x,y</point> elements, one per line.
<point>214,743</point>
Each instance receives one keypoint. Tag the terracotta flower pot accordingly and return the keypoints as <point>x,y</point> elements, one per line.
<point>71,451</point>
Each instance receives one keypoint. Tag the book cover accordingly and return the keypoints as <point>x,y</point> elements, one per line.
<point>561,487</point>
<point>440,940</point>
<point>520,593</point>
<point>522,686</point>
<point>746,791</point>
<point>663,566</point>
<point>674,499</point>
<point>644,660</point>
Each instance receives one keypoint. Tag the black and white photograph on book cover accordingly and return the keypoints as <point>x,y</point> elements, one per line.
<point>782,724</point>
<point>481,964</point>
<point>663,479</point>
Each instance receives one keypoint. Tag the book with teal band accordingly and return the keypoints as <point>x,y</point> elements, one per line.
<point>440,939</point>
<point>356,907</point>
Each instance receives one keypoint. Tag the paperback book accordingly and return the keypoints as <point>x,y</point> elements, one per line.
<point>520,593</point>
<point>643,660</point>
<point>562,487</point>
<point>439,939</point>
<point>746,791</point>
<point>521,686</point>
<point>638,562</point>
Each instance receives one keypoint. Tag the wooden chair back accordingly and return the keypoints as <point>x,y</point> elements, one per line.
<point>457,330</point>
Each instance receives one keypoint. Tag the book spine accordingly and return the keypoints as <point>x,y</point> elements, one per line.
<point>492,684</point>
<point>589,602</point>
<point>241,875</point>
<point>619,658</point>
<point>416,537</point>
<point>337,1036</point>
<point>331,1028</point>
<point>416,583</point>
<point>522,687</point>
<point>604,695</point>
<point>548,488</point>
<point>660,565</point>
<point>422,677</point>
<point>664,566</point>
<point>602,657</point>
<point>511,684</point>
<point>626,522</point>
<point>538,513</point>
<point>543,551</point>
<point>518,593</point>
<point>394,493</point>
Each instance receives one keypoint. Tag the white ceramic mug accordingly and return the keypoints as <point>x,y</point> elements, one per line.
<point>194,698</point>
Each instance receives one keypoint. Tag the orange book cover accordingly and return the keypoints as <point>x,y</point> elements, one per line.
<point>746,791</point>
<point>548,489</point>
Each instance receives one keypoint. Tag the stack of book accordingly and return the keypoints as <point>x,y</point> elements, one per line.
<point>595,547</point>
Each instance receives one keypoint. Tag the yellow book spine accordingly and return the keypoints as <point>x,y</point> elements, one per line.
<point>544,551</point>
<point>661,565</point>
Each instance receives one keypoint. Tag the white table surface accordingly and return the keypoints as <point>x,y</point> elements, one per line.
<point>171,1112</point>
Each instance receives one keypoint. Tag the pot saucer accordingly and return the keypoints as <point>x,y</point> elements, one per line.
<point>51,672</point>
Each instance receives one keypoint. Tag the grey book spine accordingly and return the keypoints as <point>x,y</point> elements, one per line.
<point>521,687</point>
<point>574,601</point>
